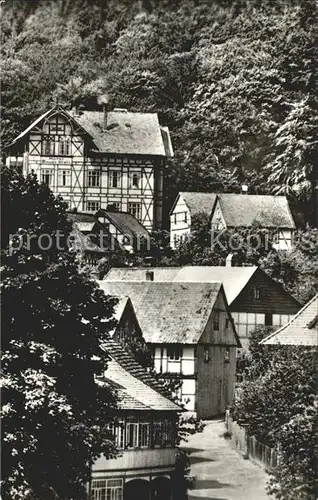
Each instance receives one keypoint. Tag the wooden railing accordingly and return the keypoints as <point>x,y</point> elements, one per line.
<point>249,446</point>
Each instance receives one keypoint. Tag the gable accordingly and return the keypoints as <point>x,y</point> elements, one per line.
<point>226,333</point>
<point>273,297</point>
<point>217,219</point>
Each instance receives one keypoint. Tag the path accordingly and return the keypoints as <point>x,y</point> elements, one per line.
<point>221,472</point>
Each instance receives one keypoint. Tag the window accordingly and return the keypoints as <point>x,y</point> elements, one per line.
<point>47,176</point>
<point>185,217</point>
<point>227,322</point>
<point>48,146</point>
<point>157,434</point>
<point>256,293</point>
<point>216,320</point>
<point>281,319</point>
<point>92,205</point>
<point>134,209</point>
<point>107,489</point>
<point>206,355</point>
<point>120,434</point>
<point>175,218</point>
<point>227,355</point>
<point>114,179</point>
<point>135,180</point>
<point>175,240</point>
<point>144,435</point>
<point>93,178</point>
<point>64,177</point>
<point>132,435</point>
<point>64,146</point>
<point>174,352</point>
<point>246,323</point>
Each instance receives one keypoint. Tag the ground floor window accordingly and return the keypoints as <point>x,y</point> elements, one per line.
<point>107,489</point>
<point>247,323</point>
<point>92,205</point>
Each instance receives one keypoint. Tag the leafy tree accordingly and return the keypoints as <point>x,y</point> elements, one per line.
<point>54,321</point>
<point>277,404</point>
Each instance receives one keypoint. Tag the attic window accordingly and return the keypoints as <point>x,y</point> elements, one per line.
<point>216,320</point>
<point>256,293</point>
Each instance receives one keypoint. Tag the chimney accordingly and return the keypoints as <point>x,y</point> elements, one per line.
<point>228,261</point>
<point>244,189</point>
<point>103,99</point>
<point>149,275</point>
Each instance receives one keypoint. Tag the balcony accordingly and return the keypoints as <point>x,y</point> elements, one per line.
<point>138,459</point>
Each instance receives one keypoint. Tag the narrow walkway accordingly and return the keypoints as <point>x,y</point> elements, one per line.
<point>221,472</point>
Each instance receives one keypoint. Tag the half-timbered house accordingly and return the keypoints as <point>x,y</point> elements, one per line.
<point>245,211</point>
<point>97,158</point>
<point>192,337</point>
<point>186,205</point>
<point>227,211</point>
<point>254,298</point>
<point>144,427</point>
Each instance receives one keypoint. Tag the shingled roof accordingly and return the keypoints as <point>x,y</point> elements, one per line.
<point>302,329</point>
<point>126,223</point>
<point>197,202</point>
<point>137,389</point>
<point>168,312</point>
<point>234,279</point>
<point>126,132</point>
<point>267,211</point>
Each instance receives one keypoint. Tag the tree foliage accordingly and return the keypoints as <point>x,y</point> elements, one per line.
<point>54,321</point>
<point>233,80</point>
<point>277,403</point>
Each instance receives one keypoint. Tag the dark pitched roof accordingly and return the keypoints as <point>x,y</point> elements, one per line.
<point>126,223</point>
<point>234,279</point>
<point>137,388</point>
<point>302,329</point>
<point>241,210</point>
<point>126,132</point>
<point>197,202</point>
<point>168,312</point>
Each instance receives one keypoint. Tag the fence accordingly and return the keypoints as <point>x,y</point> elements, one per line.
<point>249,446</point>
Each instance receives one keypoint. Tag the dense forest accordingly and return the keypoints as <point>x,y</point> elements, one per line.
<point>233,79</point>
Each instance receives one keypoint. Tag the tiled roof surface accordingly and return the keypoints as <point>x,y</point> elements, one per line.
<point>168,312</point>
<point>126,132</point>
<point>241,210</point>
<point>302,329</point>
<point>126,223</point>
<point>198,202</point>
<point>137,388</point>
<point>139,273</point>
<point>81,217</point>
<point>234,279</point>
